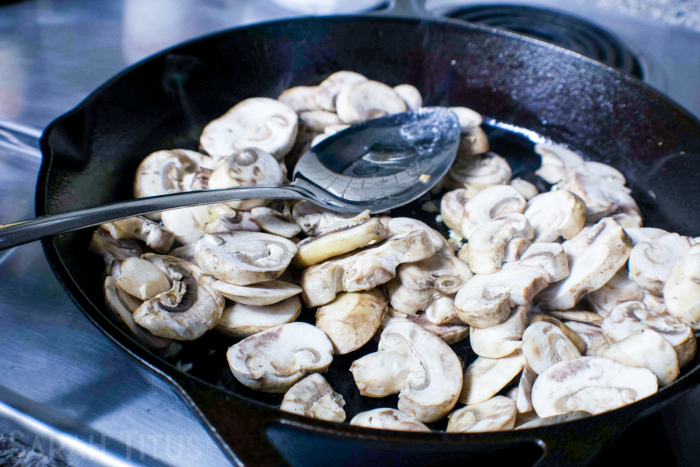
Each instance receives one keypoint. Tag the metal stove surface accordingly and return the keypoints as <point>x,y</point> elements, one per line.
<point>65,389</point>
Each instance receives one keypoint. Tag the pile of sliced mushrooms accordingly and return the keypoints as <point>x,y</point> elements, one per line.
<point>571,306</point>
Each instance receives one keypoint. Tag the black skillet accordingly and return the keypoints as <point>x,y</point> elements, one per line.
<point>526,87</point>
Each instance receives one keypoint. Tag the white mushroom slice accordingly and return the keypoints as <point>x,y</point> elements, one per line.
<point>265,293</point>
<point>452,208</point>
<point>404,225</point>
<point>319,120</point>
<point>185,252</point>
<point>557,161</point>
<point>655,303</point>
<point>472,143</point>
<point>315,220</point>
<point>361,101</point>
<point>486,300</point>
<point>242,320</point>
<point>515,249</point>
<point>523,399</point>
<point>627,221</point>
<point>682,290</point>
<point>186,311</point>
<point>246,167</point>
<point>526,417</point>
<point>486,376</point>
<point>650,263</point>
<point>555,420</point>
<point>595,255</point>
<point>314,250</point>
<point>446,274</point>
<point>432,386</point>
<point>244,258</point>
<point>355,272</point>
<point>618,289</point>
<point>569,333</point>
<point>488,242</point>
<point>580,316</point>
<point>483,172</point>
<point>163,172</point>
<point>274,222</point>
<point>463,253</point>
<point>490,203</point>
<point>495,414</point>
<point>352,319</point>
<point>548,256</point>
<point>544,344</point>
<point>224,219</point>
<point>591,384</point>
<point>442,311</point>
<point>525,188</point>
<point>468,118</point>
<point>602,188</point>
<point>275,359</point>
<point>300,98</point>
<point>381,374</point>
<point>258,122</point>
<point>140,278</point>
<point>593,336</point>
<point>123,306</point>
<point>110,249</point>
<point>314,397</point>
<point>645,349</point>
<point>643,234</point>
<point>388,419</point>
<point>330,87</point>
<point>501,340</point>
<point>630,317</point>
<point>410,95</point>
<point>140,228</point>
<point>187,223</point>
<point>449,333</point>
<point>556,214</point>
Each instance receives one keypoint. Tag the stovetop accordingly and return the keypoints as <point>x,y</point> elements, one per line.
<point>65,389</point>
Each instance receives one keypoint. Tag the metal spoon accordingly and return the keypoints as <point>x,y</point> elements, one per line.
<point>378,165</point>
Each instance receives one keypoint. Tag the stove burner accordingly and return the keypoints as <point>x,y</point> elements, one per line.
<point>556,28</point>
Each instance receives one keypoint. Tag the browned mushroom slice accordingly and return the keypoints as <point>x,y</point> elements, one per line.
<point>486,376</point>
<point>501,340</point>
<point>314,397</point>
<point>388,419</point>
<point>556,214</point>
<point>591,384</point>
<point>264,293</point>
<point>242,320</point>
<point>363,100</point>
<point>650,262</point>
<point>275,359</point>
<point>618,289</point>
<point>140,228</point>
<point>557,162</point>
<point>490,203</point>
<point>300,98</point>
<point>330,87</point>
<point>257,122</point>
<point>244,258</point>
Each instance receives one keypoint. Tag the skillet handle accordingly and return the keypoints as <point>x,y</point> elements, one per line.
<point>406,8</point>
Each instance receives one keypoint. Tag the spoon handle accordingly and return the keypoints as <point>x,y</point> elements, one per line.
<point>19,233</point>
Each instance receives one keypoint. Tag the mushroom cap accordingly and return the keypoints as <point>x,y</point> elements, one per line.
<point>488,242</point>
<point>275,223</point>
<point>242,320</point>
<point>500,340</point>
<point>650,262</point>
<point>410,95</point>
<point>244,258</point>
<point>557,162</point>
<point>360,101</point>
<point>314,397</point>
<point>495,414</point>
<point>330,87</point>
<point>591,384</point>
<point>618,289</point>
<point>490,203</point>
<point>485,377</point>
<point>482,172</point>
<point>555,214</point>
<point>257,122</point>
<point>525,188</point>
<point>544,344</point>
<point>140,228</point>
<point>452,208</point>
<point>274,359</point>
<point>468,118</point>
<point>682,290</point>
<point>595,255</point>
<point>300,98</point>
<point>352,319</point>
<point>140,278</point>
<point>264,293</point>
<point>388,419</point>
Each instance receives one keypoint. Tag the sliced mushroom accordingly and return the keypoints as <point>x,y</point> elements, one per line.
<point>186,311</point>
<point>488,242</point>
<point>388,419</point>
<point>449,333</point>
<point>433,383</point>
<point>645,349</point>
<point>650,263</point>
<point>315,220</point>
<point>682,290</point>
<point>275,223</point>
<point>330,87</point>
<point>404,225</point>
<point>257,122</point>
<point>410,95</point>
<point>472,143</point>
<point>515,249</point>
<point>275,359</point>
<point>580,316</point>
<point>140,278</point>
<point>314,250</point>
<point>452,208</point>
<point>110,249</point>
<point>314,397</point>
<point>495,414</point>
<point>468,119</point>
<point>185,252</point>
<point>443,311</point>
<point>352,319</point>
<point>555,420</point>
<point>244,258</point>
<point>264,293</point>
<point>593,336</point>
<point>381,374</point>
<point>300,98</point>
<point>319,120</point>
<point>595,255</point>
<point>187,223</point>
<point>355,272</point>
<point>242,320</point>
<point>591,384</point>
<point>523,399</point>
<point>486,376</point>
<point>490,203</point>
<point>363,100</point>
<point>618,289</point>
<point>224,219</point>
<point>544,344</point>
<point>556,214</point>
<point>569,333</point>
<point>140,228</point>
<point>501,340</point>
<point>628,221</point>
<point>643,234</point>
<point>483,172</point>
<point>557,162</point>
<point>525,188</point>
<point>247,166</point>
<point>548,256</point>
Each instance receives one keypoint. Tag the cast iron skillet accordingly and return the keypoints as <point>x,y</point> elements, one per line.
<point>91,155</point>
